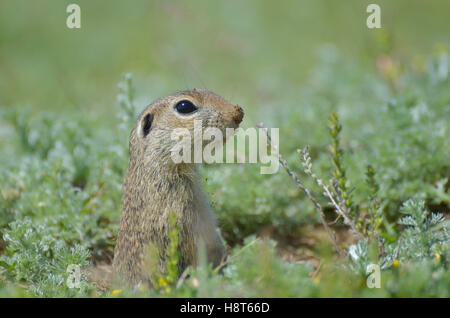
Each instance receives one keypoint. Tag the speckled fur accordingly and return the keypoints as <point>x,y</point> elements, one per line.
<point>154,186</point>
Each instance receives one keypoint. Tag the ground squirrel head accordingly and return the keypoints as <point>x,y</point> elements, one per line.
<point>151,136</point>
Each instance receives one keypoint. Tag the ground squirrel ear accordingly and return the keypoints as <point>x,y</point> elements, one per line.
<point>146,124</point>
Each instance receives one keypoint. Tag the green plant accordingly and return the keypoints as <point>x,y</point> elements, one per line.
<point>426,235</point>
<point>166,281</point>
<point>340,182</point>
<point>35,258</point>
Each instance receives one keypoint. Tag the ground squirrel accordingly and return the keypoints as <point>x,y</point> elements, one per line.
<point>155,186</point>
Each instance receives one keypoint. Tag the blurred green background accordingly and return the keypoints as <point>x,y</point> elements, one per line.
<point>253,52</point>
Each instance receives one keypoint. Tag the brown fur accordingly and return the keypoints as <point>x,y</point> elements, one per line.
<point>154,186</point>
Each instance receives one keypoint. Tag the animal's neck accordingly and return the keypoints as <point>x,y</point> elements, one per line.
<point>162,183</point>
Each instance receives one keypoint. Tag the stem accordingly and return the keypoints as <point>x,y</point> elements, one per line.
<point>294,176</point>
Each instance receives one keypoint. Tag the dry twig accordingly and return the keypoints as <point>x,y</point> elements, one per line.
<point>300,185</point>
<point>340,210</point>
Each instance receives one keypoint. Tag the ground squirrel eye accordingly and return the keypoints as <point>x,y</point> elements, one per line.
<point>185,107</point>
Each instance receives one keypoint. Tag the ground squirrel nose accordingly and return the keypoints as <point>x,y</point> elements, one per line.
<point>239,115</point>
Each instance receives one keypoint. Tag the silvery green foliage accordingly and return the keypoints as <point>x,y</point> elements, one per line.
<point>359,255</point>
<point>34,256</point>
<point>425,234</point>
<point>62,194</point>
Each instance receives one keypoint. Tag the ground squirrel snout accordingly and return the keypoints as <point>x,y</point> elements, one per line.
<point>239,115</point>
<point>154,186</point>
